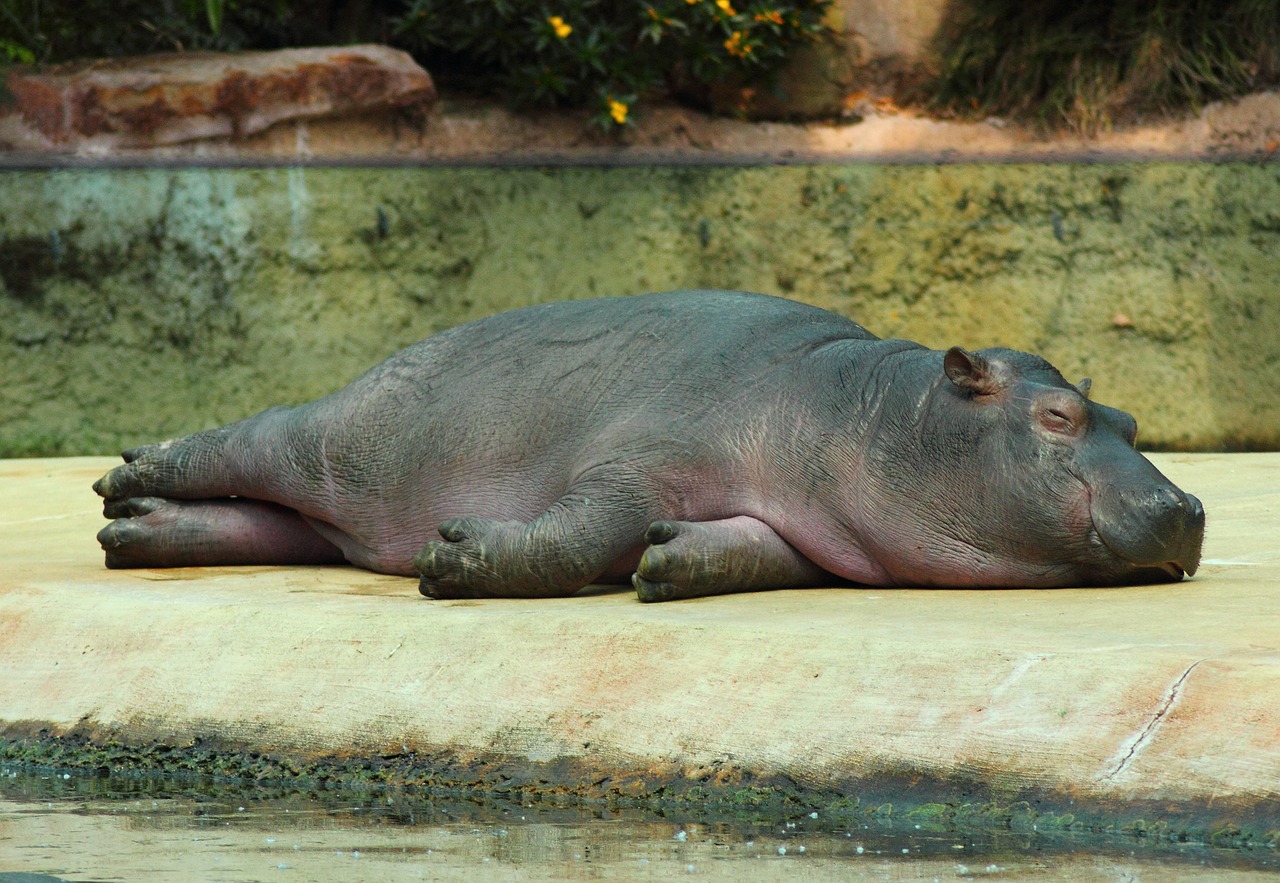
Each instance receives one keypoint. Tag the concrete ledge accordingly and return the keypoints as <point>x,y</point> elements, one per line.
<point>1153,701</point>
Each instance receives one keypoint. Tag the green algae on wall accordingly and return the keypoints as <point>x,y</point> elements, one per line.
<point>915,802</point>
<point>141,304</point>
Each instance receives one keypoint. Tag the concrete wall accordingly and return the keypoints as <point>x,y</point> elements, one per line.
<point>141,304</point>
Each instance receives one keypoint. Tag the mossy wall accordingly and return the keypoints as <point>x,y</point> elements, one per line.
<point>141,304</point>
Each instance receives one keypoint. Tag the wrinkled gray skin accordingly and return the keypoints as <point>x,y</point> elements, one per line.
<point>696,442</point>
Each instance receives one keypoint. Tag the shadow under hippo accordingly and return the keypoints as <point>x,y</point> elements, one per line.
<point>693,443</point>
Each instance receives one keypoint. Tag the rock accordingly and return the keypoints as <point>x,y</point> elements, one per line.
<point>894,33</point>
<point>154,100</point>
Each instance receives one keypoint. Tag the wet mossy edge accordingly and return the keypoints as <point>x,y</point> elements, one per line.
<point>907,799</point>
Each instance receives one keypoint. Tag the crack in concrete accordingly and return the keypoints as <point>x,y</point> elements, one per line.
<point>1024,666</point>
<point>1147,733</point>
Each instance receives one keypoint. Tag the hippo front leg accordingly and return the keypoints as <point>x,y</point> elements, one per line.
<point>688,559</point>
<point>569,546</point>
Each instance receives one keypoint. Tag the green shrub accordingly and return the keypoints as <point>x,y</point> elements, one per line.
<point>51,32</point>
<point>1082,62</point>
<point>606,54</point>
<point>601,53</point>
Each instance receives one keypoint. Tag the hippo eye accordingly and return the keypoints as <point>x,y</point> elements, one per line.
<point>1058,420</point>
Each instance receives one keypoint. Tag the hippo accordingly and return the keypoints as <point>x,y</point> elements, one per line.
<point>691,443</point>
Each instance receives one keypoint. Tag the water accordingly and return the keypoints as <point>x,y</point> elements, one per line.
<point>103,829</point>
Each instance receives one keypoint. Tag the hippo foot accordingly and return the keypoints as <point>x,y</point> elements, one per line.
<point>195,467</point>
<point>464,563</point>
<point>677,563</point>
<point>157,532</point>
<point>137,535</point>
<point>688,559</point>
<point>146,471</point>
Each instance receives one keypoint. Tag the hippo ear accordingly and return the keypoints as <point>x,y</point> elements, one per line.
<point>1084,386</point>
<point>970,371</point>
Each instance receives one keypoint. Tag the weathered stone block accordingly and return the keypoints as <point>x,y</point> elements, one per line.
<point>154,100</point>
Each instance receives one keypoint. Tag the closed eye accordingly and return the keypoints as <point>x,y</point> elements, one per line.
<point>1057,420</point>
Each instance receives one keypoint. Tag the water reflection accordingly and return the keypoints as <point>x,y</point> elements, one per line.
<point>141,829</point>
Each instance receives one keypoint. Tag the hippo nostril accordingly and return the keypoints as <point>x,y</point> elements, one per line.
<point>1167,498</point>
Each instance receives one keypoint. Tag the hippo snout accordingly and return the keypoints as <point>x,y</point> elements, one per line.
<point>1193,533</point>
<point>1177,526</point>
<point>1160,532</point>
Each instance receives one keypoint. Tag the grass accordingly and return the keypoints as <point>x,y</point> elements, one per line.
<point>1082,64</point>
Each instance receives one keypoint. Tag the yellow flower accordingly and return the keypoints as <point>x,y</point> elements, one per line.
<point>772,15</point>
<point>725,7</point>
<point>618,111</point>
<point>557,24</point>
<point>735,46</point>
<point>658,19</point>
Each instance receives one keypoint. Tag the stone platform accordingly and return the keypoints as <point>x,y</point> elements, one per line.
<point>1152,708</point>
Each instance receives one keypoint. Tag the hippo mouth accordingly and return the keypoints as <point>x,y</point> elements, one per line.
<point>1168,572</point>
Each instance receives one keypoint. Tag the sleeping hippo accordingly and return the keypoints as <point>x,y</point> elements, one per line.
<point>694,443</point>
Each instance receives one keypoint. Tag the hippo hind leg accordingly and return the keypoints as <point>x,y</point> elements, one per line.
<point>687,559</point>
<point>187,468</point>
<point>238,459</point>
<point>157,532</point>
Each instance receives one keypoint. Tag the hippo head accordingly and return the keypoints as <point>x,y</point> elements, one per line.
<point>1024,482</point>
